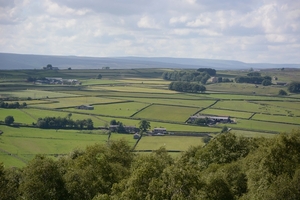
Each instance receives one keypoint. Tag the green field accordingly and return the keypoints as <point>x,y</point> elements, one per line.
<point>34,94</point>
<point>262,126</point>
<point>167,113</point>
<point>19,115</point>
<point>275,118</point>
<point>26,142</point>
<point>75,101</point>
<point>178,143</point>
<point>219,112</point>
<point>116,109</point>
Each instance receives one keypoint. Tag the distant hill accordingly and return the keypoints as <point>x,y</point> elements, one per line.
<point>24,61</point>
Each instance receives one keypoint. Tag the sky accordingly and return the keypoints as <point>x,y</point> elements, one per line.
<point>254,31</point>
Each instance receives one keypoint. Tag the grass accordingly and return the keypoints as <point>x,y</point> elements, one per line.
<point>76,101</point>
<point>167,113</point>
<point>27,142</point>
<point>261,126</point>
<point>230,113</point>
<point>243,88</point>
<point>116,109</point>
<point>34,94</point>
<point>37,113</point>
<point>180,102</point>
<point>98,82</point>
<point>10,161</point>
<point>18,114</point>
<point>275,118</point>
<point>286,104</point>
<point>180,143</point>
<point>247,106</point>
<point>130,89</point>
<point>244,133</point>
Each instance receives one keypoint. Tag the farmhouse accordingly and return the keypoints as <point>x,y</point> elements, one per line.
<point>136,136</point>
<point>85,107</point>
<point>54,80</point>
<point>211,119</point>
<point>159,131</point>
<point>213,80</point>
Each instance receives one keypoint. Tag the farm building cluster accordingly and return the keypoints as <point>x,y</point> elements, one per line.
<point>85,107</point>
<point>209,120</point>
<point>58,81</point>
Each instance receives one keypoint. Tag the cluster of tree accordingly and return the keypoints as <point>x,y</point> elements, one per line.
<point>189,76</point>
<point>12,105</point>
<point>186,87</point>
<point>228,167</point>
<point>120,127</point>
<point>211,72</point>
<point>294,87</point>
<point>254,77</point>
<point>63,122</point>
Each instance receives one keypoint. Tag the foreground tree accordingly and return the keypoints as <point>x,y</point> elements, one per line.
<point>42,180</point>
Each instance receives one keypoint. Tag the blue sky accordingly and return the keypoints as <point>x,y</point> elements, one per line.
<point>250,31</point>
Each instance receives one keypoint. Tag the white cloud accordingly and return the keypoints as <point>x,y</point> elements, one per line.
<point>147,22</point>
<point>251,31</point>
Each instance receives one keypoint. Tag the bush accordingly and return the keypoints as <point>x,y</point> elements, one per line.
<point>294,87</point>
<point>9,120</point>
<point>282,92</point>
<point>266,82</point>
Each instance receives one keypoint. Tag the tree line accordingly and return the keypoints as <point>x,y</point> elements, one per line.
<point>186,87</point>
<point>12,105</point>
<point>255,78</point>
<point>64,122</point>
<point>228,167</point>
<point>200,76</point>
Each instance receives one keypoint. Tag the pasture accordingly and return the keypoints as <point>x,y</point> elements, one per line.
<point>177,143</point>
<point>25,143</point>
<point>115,109</point>
<point>75,101</point>
<point>34,94</point>
<point>220,112</point>
<point>167,113</point>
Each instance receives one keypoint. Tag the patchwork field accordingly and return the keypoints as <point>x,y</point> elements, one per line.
<point>129,95</point>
